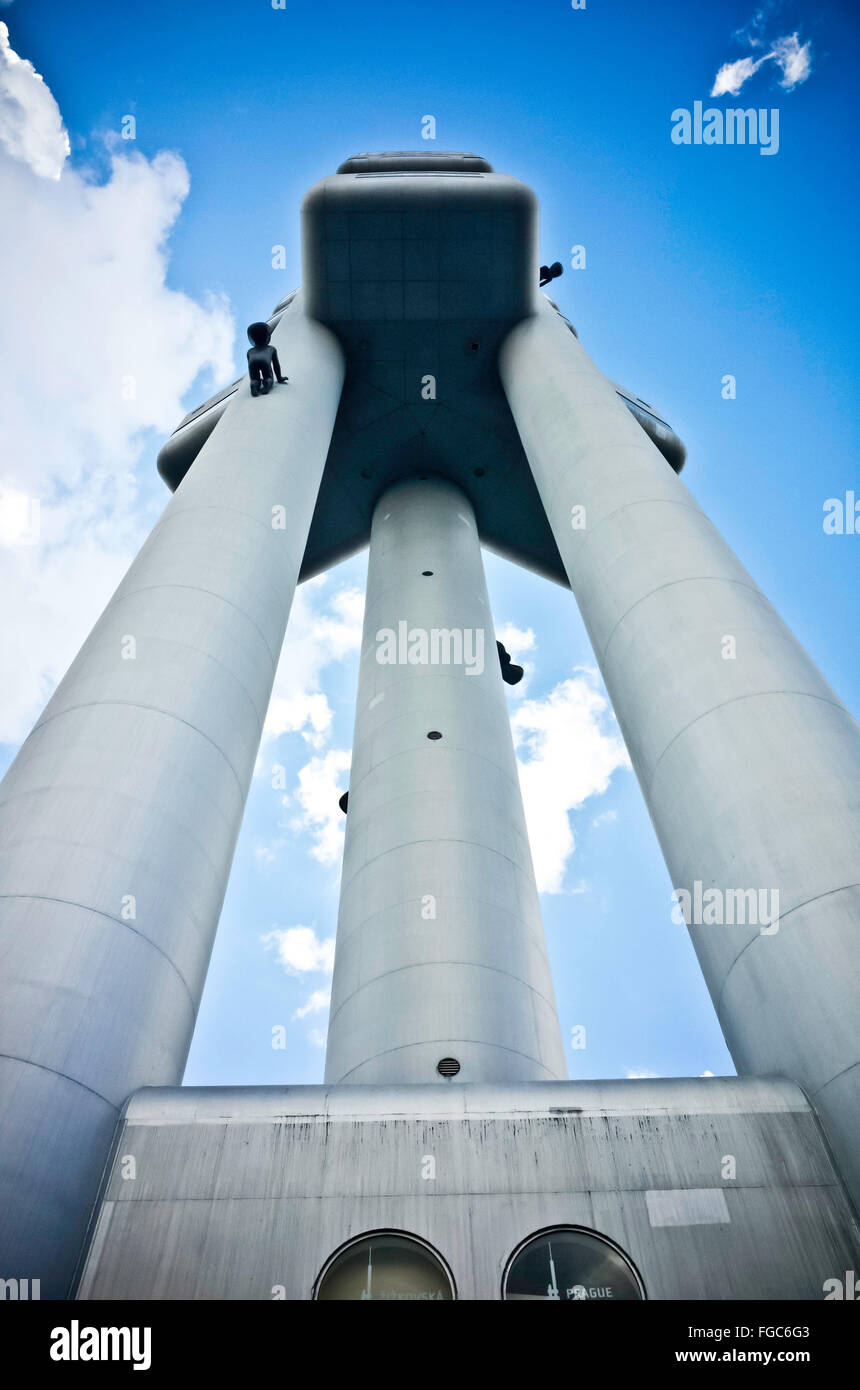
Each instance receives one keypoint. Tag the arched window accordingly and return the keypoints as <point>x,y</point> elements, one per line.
<point>385,1266</point>
<point>568,1263</point>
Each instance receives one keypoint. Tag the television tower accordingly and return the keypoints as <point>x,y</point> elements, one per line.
<point>437,402</point>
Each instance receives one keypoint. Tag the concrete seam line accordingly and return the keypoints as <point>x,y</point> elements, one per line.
<point>423,965</point>
<point>445,1042</point>
<point>196,589</point>
<point>54,1071</point>
<point>97,911</point>
<point>672,583</point>
<point>734,700</point>
<point>151,709</point>
<point>843,888</point>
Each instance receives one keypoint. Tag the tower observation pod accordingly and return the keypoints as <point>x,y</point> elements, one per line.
<point>435,402</point>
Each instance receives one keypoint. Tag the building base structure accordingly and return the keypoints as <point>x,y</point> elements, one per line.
<point>710,1188</point>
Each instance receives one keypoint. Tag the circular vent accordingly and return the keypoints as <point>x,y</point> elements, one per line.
<point>434,734</point>
<point>449,1066</point>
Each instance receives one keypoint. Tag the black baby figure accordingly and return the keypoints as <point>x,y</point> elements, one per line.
<point>262,360</point>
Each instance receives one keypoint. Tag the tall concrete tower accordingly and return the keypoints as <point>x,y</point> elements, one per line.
<point>437,403</point>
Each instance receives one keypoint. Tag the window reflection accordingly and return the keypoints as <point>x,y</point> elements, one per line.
<point>386,1267</point>
<point>566,1264</point>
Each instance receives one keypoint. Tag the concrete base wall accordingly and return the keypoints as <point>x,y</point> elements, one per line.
<point>238,1191</point>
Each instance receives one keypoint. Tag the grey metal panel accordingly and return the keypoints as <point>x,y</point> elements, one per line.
<point>750,766</point>
<point>713,1095</point>
<point>239,1190</point>
<point>440,819</point>
<point>119,816</point>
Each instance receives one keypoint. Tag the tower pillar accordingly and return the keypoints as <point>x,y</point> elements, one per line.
<point>749,763</point>
<point>119,816</point>
<point>440,948</point>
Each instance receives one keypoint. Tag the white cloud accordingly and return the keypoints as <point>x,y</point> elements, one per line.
<point>571,746</point>
<point>300,951</point>
<point>605,818</point>
<point>31,127</point>
<point>305,712</point>
<point>793,58</point>
<point>751,32</point>
<point>316,1003</point>
<point>84,267</point>
<point>516,640</point>
<point>642,1075</point>
<point>318,634</point>
<point>321,783</point>
<point>732,76</point>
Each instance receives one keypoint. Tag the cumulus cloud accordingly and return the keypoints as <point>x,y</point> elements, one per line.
<point>299,950</point>
<point>732,76</point>
<point>642,1075</point>
<point>320,784</point>
<point>31,127</point>
<point>321,630</point>
<point>101,353</point>
<point>517,642</point>
<point>793,58</point>
<point>568,747</point>
<point>316,1003</point>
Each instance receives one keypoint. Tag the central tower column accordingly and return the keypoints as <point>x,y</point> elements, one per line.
<point>440,945</point>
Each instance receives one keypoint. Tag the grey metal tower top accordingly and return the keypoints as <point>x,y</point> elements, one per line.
<point>420,278</point>
<point>419,161</point>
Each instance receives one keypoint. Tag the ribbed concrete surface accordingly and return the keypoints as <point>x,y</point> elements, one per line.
<point>119,817</point>
<point>440,947</point>
<point>750,766</point>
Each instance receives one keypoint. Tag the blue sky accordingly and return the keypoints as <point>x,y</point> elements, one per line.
<point>701,262</point>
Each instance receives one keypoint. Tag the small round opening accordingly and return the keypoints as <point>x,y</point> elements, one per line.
<point>434,734</point>
<point>426,573</point>
<point>449,1066</point>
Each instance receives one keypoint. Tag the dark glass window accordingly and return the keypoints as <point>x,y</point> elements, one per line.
<point>571,1264</point>
<point>385,1267</point>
